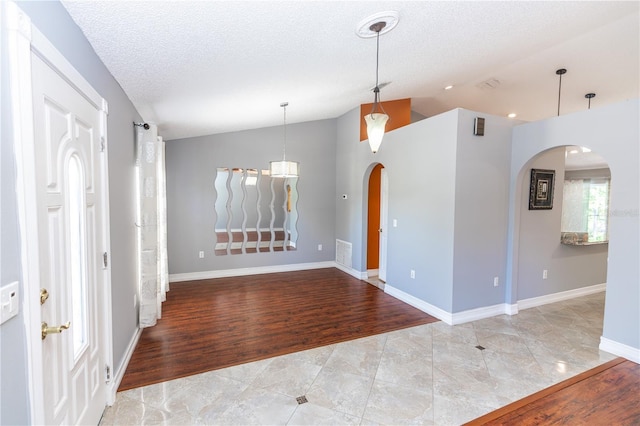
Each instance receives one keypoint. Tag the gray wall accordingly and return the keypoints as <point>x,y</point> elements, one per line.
<point>481,211</point>
<point>52,19</point>
<point>613,132</point>
<point>191,169</point>
<point>14,399</point>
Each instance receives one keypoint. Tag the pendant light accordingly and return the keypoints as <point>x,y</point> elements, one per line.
<point>590,96</point>
<point>377,119</point>
<point>284,168</point>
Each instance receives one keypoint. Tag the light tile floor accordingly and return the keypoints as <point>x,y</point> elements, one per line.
<point>430,375</point>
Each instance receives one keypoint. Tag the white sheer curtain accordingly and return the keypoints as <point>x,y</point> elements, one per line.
<point>153,273</point>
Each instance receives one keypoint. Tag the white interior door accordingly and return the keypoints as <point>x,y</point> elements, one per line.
<point>67,140</point>
<point>384,208</point>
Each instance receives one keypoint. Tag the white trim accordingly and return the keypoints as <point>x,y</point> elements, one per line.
<point>372,273</point>
<point>353,272</point>
<point>19,36</point>
<point>419,304</point>
<point>560,296</point>
<point>107,307</point>
<point>112,388</point>
<point>224,273</point>
<point>620,349</point>
<point>479,313</point>
<point>511,309</point>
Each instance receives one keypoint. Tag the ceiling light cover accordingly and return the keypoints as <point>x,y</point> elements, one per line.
<point>375,129</point>
<point>284,168</point>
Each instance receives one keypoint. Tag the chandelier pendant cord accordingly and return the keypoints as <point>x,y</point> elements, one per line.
<point>376,90</point>
<point>284,144</point>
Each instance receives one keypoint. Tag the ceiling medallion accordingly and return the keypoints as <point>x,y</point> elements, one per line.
<point>389,18</point>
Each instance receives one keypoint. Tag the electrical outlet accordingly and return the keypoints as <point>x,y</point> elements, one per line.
<point>319,247</point>
<point>413,274</point>
<point>544,274</point>
<point>201,254</point>
<point>395,223</point>
<point>496,281</point>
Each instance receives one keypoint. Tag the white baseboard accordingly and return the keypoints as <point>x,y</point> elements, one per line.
<point>112,388</point>
<point>224,273</point>
<point>479,313</point>
<point>511,309</point>
<point>354,273</point>
<point>490,311</point>
<point>620,349</point>
<point>558,297</point>
<point>372,273</point>
<point>419,304</point>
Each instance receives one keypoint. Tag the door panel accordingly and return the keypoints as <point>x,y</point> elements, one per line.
<point>67,140</point>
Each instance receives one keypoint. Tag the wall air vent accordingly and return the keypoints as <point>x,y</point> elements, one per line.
<point>343,253</point>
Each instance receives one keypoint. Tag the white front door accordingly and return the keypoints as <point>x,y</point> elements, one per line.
<point>67,140</point>
<point>384,208</point>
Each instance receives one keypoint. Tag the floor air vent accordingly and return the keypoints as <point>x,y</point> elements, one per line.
<point>343,253</point>
<point>302,399</point>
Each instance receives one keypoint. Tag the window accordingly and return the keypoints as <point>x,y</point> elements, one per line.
<point>585,210</point>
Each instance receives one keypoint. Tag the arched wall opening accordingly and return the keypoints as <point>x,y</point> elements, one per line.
<point>557,256</point>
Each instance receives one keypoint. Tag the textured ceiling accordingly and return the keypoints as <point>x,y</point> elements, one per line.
<point>196,67</point>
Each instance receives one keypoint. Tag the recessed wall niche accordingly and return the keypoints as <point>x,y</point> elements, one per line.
<point>254,212</point>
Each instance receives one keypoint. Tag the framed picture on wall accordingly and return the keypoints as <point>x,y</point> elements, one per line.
<point>541,189</point>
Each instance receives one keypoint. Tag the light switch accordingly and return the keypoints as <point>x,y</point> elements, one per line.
<point>395,223</point>
<point>9,301</point>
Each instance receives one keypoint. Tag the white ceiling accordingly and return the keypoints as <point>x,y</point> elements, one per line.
<point>205,67</point>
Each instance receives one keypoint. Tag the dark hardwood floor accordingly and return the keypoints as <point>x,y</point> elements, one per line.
<point>217,323</point>
<point>606,395</point>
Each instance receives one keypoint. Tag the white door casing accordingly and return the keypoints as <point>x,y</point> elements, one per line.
<point>384,212</point>
<point>59,125</point>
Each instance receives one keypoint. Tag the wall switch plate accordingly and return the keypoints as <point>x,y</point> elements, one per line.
<point>413,274</point>
<point>319,247</point>
<point>395,223</point>
<point>544,274</point>
<point>9,301</point>
<point>201,255</point>
<point>496,281</point>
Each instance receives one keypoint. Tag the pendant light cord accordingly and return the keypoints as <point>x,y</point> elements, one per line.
<point>284,144</point>
<point>376,90</point>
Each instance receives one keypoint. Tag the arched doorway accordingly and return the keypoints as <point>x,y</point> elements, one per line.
<point>376,226</point>
<point>563,247</point>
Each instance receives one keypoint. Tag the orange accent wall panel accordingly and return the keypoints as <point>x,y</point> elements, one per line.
<point>399,112</point>
<point>373,219</point>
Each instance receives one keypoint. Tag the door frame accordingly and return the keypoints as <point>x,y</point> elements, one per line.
<point>384,225</point>
<point>23,39</point>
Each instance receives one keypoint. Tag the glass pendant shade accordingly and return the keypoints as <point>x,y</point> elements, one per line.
<point>284,169</point>
<point>376,123</point>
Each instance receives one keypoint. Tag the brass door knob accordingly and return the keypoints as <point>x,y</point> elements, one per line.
<point>53,330</point>
<point>44,295</point>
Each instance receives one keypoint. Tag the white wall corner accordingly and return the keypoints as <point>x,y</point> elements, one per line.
<point>620,349</point>
<point>441,314</point>
<point>224,273</point>
<point>558,297</point>
<point>112,387</point>
<point>511,309</point>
